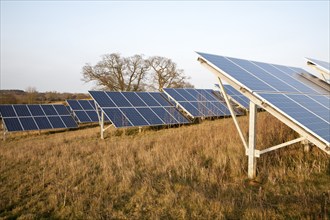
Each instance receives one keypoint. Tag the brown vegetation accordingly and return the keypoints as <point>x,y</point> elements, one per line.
<point>191,172</point>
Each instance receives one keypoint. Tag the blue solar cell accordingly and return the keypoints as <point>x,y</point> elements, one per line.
<point>191,109</point>
<point>28,124</point>
<point>68,121</point>
<point>237,72</point>
<point>117,117</point>
<point>213,109</point>
<point>148,99</point>
<point>56,122</point>
<point>300,114</point>
<point>312,105</point>
<point>74,104</point>
<point>175,94</point>
<point>86,104</point>
<point>207,94</point>
<point>177,115</point>
<point>102,99</point>
<point>36,110</point>
<point>43,123</point>
<point>160,99</point>
<point>287,75</point>
<point>61,110</point>
<point>261,74</point>
<point>12,124</point>
<point>22,110</point>
<point>135,118</point>
<point>202,109</point>
<point>223,108</point>
<point>92,103</point>
<point>186,95</point>
<point>134,99</point>
<point>7,111</point>
<point>119,99</point>
<point>49,110</point>
<point>93,116</point>
<point>150,116</point>
<point>164,115</point>
<point>82,116</point>
<point>237,96</point>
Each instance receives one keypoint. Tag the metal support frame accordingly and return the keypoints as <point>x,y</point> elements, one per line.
<point>4,130</point>
<point>232,112</point>
<point>102,125</point>
<point>100,115</point>
<point>252,168</point>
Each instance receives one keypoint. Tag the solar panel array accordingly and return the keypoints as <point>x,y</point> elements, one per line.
<point>198,102</point>
<point>36,117</point>
<point>137,109</point>
<point>282,87</point>
<point>83,110</point>
<point>236,96</point>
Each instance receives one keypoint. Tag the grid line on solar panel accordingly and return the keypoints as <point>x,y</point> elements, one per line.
<point>198,102</point>
<point>262,77</point>
<point>308,107</point>
<point>236,96</point>
<point>84,110</point>
<point>138,109</point>
<point>36,117</point>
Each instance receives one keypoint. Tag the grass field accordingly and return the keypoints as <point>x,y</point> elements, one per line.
<point>191,172</point>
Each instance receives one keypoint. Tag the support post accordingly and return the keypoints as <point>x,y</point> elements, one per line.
<point>102,125</point>
<point>233,115</point>
<point>252,141</point>
<point>306,146</point>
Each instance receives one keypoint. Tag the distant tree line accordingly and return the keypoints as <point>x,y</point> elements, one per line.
<point>135,73</point>
<point>32,96</point>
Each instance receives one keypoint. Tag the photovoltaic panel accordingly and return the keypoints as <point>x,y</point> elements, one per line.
<point>323,65</point>
<point>35,117</point>
<point>137,109</point>
<point>306,104</point>
<point>84,110</point>
<point>198,102</point>
<point>236,96</point>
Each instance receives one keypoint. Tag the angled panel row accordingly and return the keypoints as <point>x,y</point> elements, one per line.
<point>198,102</point>
<point>36,117</point>
<point>137,109</point>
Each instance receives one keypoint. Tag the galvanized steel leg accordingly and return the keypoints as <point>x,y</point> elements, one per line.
<point>102,125</point>
<point>252,141</point>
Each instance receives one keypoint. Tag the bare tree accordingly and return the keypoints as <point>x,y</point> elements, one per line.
<point>31,94</point>
<point>164,73</point>
<point>118,73</point>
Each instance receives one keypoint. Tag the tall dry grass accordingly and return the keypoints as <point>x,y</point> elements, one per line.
<point>191,172</point>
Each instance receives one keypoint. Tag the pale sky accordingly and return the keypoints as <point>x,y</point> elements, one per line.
<point>46,44</point>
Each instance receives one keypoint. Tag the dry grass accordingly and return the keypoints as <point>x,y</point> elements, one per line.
<point>191,172</point>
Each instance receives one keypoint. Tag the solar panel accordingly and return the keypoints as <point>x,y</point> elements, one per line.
<point>198,102</point>
<point>84,110</point>
<point>323,65</point>
<point>35,117</point>
<point>236,96</point>
<point>305,104</point>
<point>137,109</point>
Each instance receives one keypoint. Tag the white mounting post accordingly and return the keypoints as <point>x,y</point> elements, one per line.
<point>233,115</point>
<point>4,131</point>
<point>102,125</point>
<point>252,141</point>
